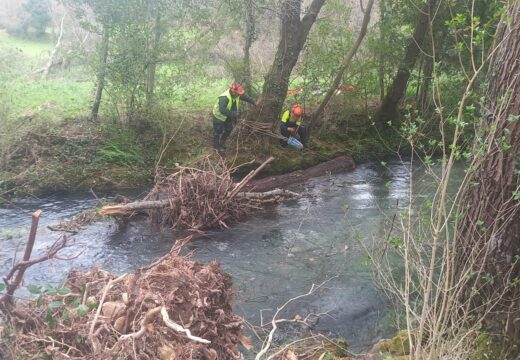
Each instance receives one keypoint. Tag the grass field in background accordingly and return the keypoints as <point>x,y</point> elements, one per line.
<point>49,144</point>
<point>30,48</point>
<point>67,94</point>
<point>23,94</point>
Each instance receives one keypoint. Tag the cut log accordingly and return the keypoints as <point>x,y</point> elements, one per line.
<point>339,164</point>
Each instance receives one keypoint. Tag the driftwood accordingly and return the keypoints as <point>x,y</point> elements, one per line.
<point>339,164</point>
<point>6,301</point>
<point>129,208</point>
<point>248,178</point>
<point>204,197</point>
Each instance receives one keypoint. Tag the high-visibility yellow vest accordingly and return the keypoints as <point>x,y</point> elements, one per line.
<point>287,117</point>
<point>216,110</point>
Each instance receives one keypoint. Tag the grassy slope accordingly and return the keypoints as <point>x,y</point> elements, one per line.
<point>26,94</point>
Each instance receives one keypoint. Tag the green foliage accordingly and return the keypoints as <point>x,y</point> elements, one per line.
<point>37,18</point>
<point>327,45</point>
<point>121,150</point>
<point>328,356</point>
<point>49,290</point>
<point>141,40</point>
<point>61,309</point>
<point>82,310</point>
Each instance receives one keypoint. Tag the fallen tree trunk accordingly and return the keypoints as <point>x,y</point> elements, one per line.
<point>339,164</point>
<point>137,206</point>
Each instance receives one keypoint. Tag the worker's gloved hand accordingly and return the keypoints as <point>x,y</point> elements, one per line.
<point>257,103</point>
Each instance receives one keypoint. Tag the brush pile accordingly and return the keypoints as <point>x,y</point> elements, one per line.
<point>200,198</point>
<point>173,309</point>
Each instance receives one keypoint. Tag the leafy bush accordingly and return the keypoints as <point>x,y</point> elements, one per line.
<point>121,150</point>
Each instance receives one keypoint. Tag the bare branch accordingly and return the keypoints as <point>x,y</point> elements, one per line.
<point>274,320</point>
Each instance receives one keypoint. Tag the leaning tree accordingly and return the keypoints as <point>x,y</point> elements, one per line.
<point>388,108</point>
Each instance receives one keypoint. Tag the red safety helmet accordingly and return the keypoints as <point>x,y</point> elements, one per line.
<point>297,110</point>
<point>236,88</point>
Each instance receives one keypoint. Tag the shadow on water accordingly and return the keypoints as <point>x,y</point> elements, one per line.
<point>273,256</point>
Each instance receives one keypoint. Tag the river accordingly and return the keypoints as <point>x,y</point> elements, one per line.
<point>275,255</point>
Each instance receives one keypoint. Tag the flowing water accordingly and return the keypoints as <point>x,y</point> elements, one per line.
<point>275,255</point>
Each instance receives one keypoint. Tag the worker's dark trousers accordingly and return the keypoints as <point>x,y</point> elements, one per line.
<point>221,131</point>
<point>300,130</point>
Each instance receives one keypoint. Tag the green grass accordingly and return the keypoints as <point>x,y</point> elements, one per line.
<point>49,98</point>
<point>33,49</point>
<point>62,96</point>
<point>23,94</point>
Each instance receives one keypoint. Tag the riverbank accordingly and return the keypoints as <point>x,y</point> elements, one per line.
<point>80,154</point>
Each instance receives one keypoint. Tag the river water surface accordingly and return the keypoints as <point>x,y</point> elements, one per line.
<point>273,256</point>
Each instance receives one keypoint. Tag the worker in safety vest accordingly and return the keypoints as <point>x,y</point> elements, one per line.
<point>291,124</point>
<point>225,113</point>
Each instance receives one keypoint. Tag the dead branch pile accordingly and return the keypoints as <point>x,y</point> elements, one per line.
<point>261,128</point>
<point>173,309</point>
<point>200,198</point>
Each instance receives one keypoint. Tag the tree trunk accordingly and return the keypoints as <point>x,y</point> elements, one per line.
<point>344,64</point>
<point>388,108</point>
<point>424,89</point>
<point>337,165</point>
<point>250,38</point>
<point>293,35</point>
<point>489,231</point>
<point>150,81</point>
<point>103,56</point>
<point>382,39</point>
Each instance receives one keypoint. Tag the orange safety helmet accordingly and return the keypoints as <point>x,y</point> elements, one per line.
<point>297,110</point>
<point>236,88</point>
